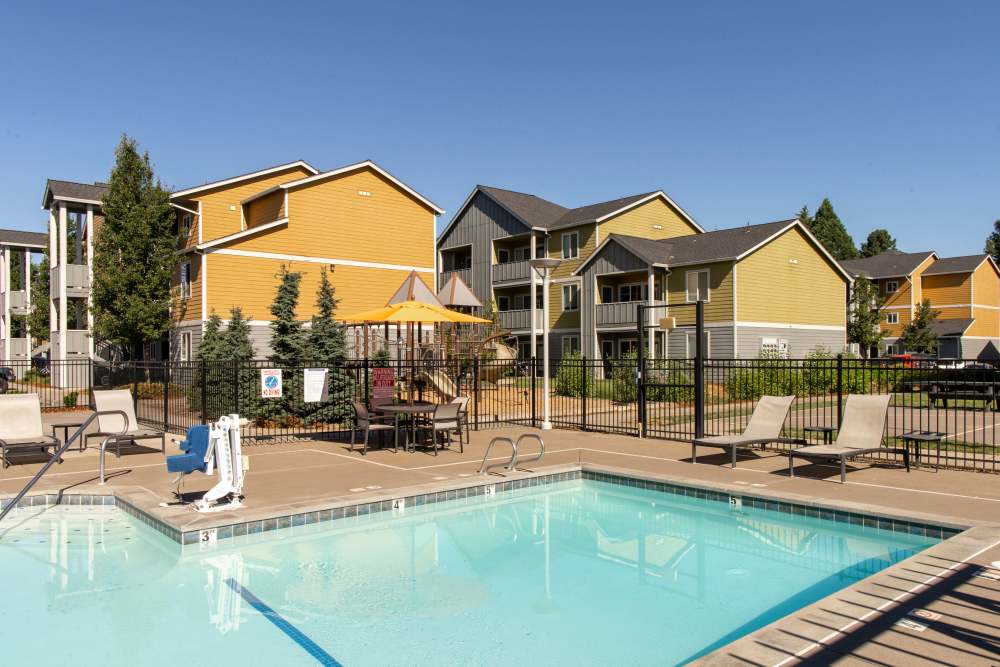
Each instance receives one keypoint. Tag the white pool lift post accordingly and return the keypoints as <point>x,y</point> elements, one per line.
<point>225,453</point>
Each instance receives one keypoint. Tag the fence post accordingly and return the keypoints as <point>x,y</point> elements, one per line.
<point>475,389</point>
<point>640,363</point>
<point>583,392</point>
<point>204,391</point>
<point>840,389</point>
<point>534,397</point>
<point>699,370</point>
<point>368,397</point>
<point>166,395</point>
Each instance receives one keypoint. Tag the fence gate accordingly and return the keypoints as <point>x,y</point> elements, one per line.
<point>667,398</point>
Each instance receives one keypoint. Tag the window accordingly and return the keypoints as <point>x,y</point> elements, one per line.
<point>627,346</point>
<point>185,346</point>
<point>503,255</point>
<point>540,249</point>
<point>571,245</point>
<point>689,340</point>
<point>892,318</point>
<point>696,284</point>
<point>503,303</point>
<point>186,280</point>
<point>607,294</point>
<point>774,347</point>
<point>184,228</point>
<point>571,297</point>
<point>570,345</point>
<point>635,292</point>
<point>891,286</point>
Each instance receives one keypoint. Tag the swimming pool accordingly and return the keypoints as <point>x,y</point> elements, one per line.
<point>575,572</point>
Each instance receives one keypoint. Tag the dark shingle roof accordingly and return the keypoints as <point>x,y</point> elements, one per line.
<point>890,264</point>
<point>591,212</point>
<point>16,237</point>
<point>71,190</point>
<point>964,264</point>
<point>955,327</point>
<point>541,213</point>
<point>722,245</point>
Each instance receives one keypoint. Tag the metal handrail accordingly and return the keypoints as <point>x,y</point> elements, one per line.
<point>484,468</point>
<point>62,450</point>
<point>517,448</point>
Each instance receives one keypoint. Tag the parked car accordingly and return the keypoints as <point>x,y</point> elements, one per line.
<point>6,377</point>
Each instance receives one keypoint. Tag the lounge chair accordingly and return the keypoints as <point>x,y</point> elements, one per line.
<point>111,426</point>
<point>859,434</point>
<point>21,425</point>
<point>765,426</point>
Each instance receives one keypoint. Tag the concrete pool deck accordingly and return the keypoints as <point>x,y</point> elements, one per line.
<point>952,581</point>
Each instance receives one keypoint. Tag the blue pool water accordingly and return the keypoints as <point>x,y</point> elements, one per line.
<point>581,572</point>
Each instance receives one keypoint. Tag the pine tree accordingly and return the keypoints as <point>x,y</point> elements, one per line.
<point>864,315</point>
<point>133,254</point>
<point>878,242</point>
<point>919,335</point>
<point>830,231</point>
<point>236,343</point>
<point>326,346</point>
<point>288,351</point>
<point>38,318</point>
<point>993,242</point>
<point>804,216</point>
<point>211,339</point>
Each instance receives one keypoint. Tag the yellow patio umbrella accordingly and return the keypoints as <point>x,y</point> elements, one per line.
<point>413,312</point>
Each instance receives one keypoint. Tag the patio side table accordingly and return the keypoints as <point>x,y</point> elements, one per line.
<point>916,438</point>
<point>66,426</point>
<point>827,432</point>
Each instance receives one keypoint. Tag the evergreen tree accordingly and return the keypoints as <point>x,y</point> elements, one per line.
<point>211,339</point>
<point>878,242</point>
<point>236,343</point>
<point>919,335</point>
<point>864,315</point>
<point>133,254</point>
<point>804,217</point>
<point>830,231</point>
<point>238,350</point>
<point>326,346</point>
<point>38,318</point>
<point>288,351</point>
<point>993,242</point>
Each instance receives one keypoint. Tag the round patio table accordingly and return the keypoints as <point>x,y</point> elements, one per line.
<point>417,408</point>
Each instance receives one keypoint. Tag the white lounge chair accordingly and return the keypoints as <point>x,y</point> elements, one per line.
<point>21,425</point>
<point>860,433</point>
<point>765,426</point>
<point>112,426</point>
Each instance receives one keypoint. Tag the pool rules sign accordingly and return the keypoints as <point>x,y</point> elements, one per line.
<point>270,383</point>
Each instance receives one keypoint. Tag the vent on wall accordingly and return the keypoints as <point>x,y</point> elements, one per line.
<point>364,193</point>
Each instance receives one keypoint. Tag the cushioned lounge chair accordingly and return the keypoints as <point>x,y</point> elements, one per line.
<point>765,427</point>
<point>860,433</point>
<point>112,426</point>
<point>21,425</point>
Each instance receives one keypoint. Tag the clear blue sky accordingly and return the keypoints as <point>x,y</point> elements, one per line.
<point>740,111</point>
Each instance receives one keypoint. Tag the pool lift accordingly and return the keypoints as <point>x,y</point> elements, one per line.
<point>208,448</point>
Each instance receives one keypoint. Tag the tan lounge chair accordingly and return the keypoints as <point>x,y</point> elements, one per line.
<point>21,425</point>
<point>112,426</point>
<point>859,434</point>
<point>765,426</point>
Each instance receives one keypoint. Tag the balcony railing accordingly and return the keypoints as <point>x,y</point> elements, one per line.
<point>77,280</point>
<point>18,349</point>
<point>517,320</point>
<point>16,301</point>
<point>511,271</point>
<point>464,274</point>
<point>618,314</point>
<point>77,343</point>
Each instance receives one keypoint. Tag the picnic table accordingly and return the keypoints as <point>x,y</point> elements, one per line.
<point>986,391</point>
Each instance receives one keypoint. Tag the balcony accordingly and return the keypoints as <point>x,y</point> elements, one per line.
<point>16,301</point>
<point>77,281</point>
<point>18,349</point>
<point>519,320</point>
<point>619,314</point>
<point>77,344</point>
<point>511,271</point>
<point>464,274</point>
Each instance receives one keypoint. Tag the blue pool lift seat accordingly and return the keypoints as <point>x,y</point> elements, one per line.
<point>194,446</point>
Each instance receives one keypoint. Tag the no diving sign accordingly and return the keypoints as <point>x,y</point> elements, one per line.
<point>270,383</point>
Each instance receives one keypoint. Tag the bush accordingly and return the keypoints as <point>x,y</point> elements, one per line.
<point>681,391</point>
<point>70,399</point>
<point>624,383</point>
<point>569,376</point>
<point>819,373</point>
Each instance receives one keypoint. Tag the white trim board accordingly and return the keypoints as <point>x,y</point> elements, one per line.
<point>236,179</point>
<point>659,194</point>
<point>237,235</point>
<point>354,167</point>
<point>785,325</point>
<point>317,260</point>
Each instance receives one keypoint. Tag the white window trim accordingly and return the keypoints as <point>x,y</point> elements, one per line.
<point>689,348</point>
<point>891,286</point>
<point>562,245</point>
<point>708,288</point>
<point>634,342</point>
<point>892,318</point>
<point>570,286</point>
<point>185,346</point>
<point>575,347</point>
<point>184,229</point>
<point>642,287</point>
<point>185,285</point>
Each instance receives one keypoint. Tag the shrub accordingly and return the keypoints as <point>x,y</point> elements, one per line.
<point>69,400</point>
<point>681,387</point>
<point>569,376</point>
<point>819,372</point>
<point>624,383</point>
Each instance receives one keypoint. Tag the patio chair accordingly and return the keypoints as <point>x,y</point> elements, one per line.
<point>21,425</point>
<point>367,422</point>
<point>859,434</point>
<point>446,418</point>
<point>463,415</point>
<point>112,426</point>
<point>765,427</point>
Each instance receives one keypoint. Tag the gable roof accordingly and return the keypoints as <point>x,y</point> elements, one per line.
<point>353,167</point>
<point>963,264</point>
<point>17,238</point>
<point>84,193</point>
<point>456,293</point>
<point>891,264</point>
<point>541,214</point>
<point>244,177</point>
<point>719,246</point>
<point>413,289</point>
<point>955,327</point>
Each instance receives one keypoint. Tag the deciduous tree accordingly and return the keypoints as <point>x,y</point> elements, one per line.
<point>919,335</point>
<point>993,242</point>
<point>864,315</point>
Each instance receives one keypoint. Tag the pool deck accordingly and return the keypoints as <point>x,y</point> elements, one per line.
<point>953,582</point>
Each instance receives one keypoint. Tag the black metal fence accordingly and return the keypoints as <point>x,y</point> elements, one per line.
<point>959,401</point>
